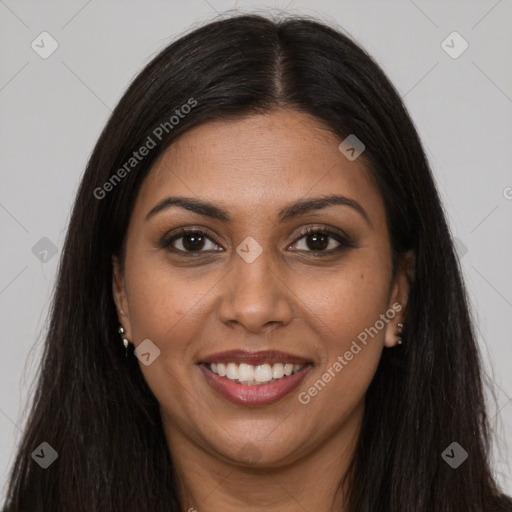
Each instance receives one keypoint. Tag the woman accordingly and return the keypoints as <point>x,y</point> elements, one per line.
<point>259,229</point>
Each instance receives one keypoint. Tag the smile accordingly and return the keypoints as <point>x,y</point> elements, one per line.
<point>252,393</point>
<point>263,382</point>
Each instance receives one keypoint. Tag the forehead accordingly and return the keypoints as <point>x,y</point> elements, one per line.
<point>259,161</point>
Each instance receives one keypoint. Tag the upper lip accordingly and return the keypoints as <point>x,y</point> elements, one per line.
<point>254,358</point>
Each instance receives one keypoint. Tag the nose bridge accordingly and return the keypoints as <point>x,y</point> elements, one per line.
<point>253,263</point>
<point>256,294</point>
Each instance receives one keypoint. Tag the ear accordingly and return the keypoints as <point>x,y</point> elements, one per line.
<point>120,298</point>
<point>399,297</point>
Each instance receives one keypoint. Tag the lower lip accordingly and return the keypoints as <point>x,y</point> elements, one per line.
<point>257,394</point>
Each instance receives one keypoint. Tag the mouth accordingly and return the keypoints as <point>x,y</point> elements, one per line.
<point>254,378</point>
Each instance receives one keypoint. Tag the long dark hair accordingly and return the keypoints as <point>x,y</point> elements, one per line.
<point>93,406</point>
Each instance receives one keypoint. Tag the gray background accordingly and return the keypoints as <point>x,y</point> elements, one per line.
<point>53,109</point>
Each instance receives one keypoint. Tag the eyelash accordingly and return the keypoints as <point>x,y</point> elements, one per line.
<point>345,242</point>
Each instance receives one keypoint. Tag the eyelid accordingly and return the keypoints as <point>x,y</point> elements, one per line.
<point>328,230</point>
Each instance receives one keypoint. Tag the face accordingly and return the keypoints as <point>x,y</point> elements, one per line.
<point>250,281</point>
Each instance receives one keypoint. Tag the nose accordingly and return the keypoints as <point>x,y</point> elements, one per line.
<point>255,294</point>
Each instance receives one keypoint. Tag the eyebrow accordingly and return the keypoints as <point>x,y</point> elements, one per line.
<point>288,212</point>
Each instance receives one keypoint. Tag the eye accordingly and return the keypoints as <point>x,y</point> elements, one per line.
<point>189,241</point>
<point>317,241</point>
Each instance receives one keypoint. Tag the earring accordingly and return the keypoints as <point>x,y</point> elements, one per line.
<point>125,340</point>
<point>400,328</point>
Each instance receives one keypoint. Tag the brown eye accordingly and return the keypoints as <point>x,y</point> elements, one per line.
<point>193,241</point>
<point>322,241</point>
<point>317,241</point>
<point>190,241</point>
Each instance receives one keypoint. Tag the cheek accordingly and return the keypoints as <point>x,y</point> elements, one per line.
<point>165,308</point>
<point>345,310</point>
<point>351,348</point>
<point>346,302</point>
<point>164,302</point>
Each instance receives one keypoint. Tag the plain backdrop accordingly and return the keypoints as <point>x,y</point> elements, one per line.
<point>52,110</point>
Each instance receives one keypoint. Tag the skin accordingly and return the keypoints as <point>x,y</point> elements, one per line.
<point>287,455</point>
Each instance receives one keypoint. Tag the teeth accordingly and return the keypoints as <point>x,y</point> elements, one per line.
<point>245,372</point>
<point>221,369</point>
<point>232,371</point>
<point>263,373</point>
<point>250,374</point>
<point>278,371</point>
